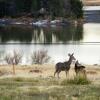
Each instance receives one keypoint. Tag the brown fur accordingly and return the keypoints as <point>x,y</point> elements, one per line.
<point>79,69</point>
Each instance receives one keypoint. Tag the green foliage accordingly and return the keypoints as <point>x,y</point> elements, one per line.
<point>55,8</point>
<point>76,8</point>
<point>35,5</point>
<point>23,6</point>
<point>78,80</point>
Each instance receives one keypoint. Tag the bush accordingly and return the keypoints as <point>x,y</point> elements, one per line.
<point>78,80</point>
<point>40,57</point>
<point>14,58</point>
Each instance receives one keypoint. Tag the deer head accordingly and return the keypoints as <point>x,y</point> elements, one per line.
<point>71,57</point>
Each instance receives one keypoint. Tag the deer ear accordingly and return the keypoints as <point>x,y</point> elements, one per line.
<point>73,53</point>
<point>69,54</point>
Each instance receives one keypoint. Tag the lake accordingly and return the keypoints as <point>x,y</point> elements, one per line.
<point>83,40</point>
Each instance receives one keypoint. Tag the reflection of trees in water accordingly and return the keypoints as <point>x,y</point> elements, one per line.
<point>42,35</point>
<point>78,33</point>
<point>59,34</point>
<point>15,34</point>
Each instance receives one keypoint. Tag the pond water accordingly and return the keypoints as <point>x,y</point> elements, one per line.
<point>83,40</point>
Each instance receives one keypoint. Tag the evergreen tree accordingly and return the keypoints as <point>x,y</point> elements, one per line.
<point>35,5</point>
<point>76,8</point>
<point>55,8</point>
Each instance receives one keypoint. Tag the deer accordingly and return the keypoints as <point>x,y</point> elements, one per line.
<point>79,68</point>
<point>64,66</point>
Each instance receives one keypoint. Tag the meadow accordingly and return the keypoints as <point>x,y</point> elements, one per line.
<point>36,82</point>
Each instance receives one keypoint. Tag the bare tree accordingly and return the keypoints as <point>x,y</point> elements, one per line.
<point>14,58</point>
<point>1,57</point>
<point>40,56</point>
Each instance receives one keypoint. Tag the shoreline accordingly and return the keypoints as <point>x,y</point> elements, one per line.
<point>39,22</point>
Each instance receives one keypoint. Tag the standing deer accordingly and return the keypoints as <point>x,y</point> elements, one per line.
<point>65,66</point>
<point>79,68</point>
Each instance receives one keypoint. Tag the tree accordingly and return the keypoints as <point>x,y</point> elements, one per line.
<point>35,5</point>
<point>1,56</point>
<point>40,57</point>
<point>54,8</point>
<point>76,8</point>
<point>13,59</point>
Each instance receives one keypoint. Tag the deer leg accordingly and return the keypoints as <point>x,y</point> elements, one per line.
<point>76,72</point>
<point>66,73</point>
<point>58,73</point>
<point>55,73</point>
<point>84,71</point>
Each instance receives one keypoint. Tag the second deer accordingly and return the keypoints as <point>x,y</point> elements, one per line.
<point>79,68</point>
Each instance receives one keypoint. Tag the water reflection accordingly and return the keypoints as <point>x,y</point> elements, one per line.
<point>14,34</point>
<point>91,32</point>
<point>60,34</point>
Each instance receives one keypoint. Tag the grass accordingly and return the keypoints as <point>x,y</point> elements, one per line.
<point>43,86</point>
<point>47,89</point>
<point>78,80</point>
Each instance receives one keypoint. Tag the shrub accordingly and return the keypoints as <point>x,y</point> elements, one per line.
<point>78,80</point>
<point>13,59</point>
<point>1,56</point>
<point>40,57</point>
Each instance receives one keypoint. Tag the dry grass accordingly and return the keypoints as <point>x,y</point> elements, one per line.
<point>46,71</point>
<point>92,72</point>
<point>26,85</point>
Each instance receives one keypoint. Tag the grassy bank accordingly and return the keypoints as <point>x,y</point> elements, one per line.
<point>36,82</point>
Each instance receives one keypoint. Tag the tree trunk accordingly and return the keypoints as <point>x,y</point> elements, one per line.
<point>13,69</point>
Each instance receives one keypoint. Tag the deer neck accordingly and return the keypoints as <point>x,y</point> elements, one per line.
<point>69,61</point>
